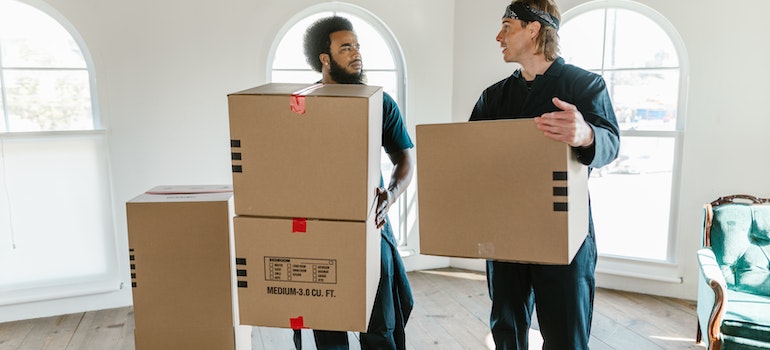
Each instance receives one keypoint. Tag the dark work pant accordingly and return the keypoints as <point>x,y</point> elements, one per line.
<point>562,294</point>
<point>325,340</point>
<point>386,325</point>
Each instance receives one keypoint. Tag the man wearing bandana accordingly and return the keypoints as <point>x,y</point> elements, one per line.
<point>570,105</point>
<point>331,48</point>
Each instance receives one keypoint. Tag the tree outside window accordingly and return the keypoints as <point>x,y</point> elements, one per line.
<point>44,79</point>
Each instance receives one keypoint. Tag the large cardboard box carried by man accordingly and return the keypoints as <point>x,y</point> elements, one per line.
<point>306,163</point>
<point>499,190</point>
<point>295,273</point>
<point>182,270</point>
<point>306,151</point>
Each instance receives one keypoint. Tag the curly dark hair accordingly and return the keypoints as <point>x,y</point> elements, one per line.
<point>317,39</point>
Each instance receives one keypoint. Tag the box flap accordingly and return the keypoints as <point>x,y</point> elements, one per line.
<point>344,90</point>
<point>189,189</point>
<point>185,193</point>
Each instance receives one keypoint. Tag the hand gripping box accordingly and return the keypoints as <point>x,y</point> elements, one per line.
<point>306,151</point>
<point>499,190</point>
<point>297,273</point>
<point>182,271</point>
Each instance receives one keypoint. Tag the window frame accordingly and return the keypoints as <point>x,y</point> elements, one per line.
<point>110,280</point>
<point>374,21</point>
<point>668,271</point>
<point>89,69</point>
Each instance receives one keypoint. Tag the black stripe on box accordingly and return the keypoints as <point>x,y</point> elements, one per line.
<point>241,272</point>
<point>236,156</point>
<point>560,191</point>
<point>243,284</point>
<point>235,143</point>
<point>559,175</point>
<point>133,284</point>
<point>237,168</point>
<point>240,261</point>
<point>558,206</point>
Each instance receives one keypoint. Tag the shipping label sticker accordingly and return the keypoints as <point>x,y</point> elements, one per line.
<point>300,270</point>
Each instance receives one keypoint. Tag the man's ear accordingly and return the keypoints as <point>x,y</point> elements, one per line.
<point>324,58</point>
<point>534,28</point>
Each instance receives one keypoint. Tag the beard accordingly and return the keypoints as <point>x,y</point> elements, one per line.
<point>341,76</point>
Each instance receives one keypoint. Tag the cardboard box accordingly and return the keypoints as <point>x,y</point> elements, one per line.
<point>297,149</point>
<point>315,274</point>
<point>182,269</point>
<point>499,190</point>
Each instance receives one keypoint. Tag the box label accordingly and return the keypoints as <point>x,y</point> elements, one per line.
<point>301,292</point>
<point>300,270</point>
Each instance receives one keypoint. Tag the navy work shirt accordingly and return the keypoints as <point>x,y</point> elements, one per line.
<point>511,98</point>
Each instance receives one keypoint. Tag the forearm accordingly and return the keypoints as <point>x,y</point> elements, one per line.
<point>403,171</point>
<point>603,150</point>
<point>399,180</point>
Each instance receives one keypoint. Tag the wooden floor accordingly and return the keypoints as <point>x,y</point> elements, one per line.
<point>451,312</point>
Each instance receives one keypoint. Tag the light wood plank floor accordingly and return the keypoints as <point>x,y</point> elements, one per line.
<point>451,312</point>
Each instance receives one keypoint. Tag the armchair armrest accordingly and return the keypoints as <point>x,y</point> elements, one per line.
<point>710,268</point>
<point>712,296</point>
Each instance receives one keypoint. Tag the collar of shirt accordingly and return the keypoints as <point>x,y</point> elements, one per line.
<point>554,70</point>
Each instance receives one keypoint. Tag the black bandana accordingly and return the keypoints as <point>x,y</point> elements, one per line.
<point>523,12</point>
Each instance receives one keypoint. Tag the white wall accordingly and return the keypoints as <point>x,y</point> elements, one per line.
<point>164,68</point>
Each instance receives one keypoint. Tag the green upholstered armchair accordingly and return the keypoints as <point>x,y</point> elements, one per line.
<point>734,285</point>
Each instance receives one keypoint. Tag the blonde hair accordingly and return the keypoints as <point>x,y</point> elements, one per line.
<point>547,42</point>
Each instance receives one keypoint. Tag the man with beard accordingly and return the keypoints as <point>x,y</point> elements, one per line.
<point>331,48</point>
<point>569,105</point>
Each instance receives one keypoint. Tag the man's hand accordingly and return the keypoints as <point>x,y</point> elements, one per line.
<point>385,199</point>
<point>567,125</point>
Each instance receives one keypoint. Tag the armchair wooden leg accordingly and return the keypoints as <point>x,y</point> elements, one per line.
<point>698,333</point>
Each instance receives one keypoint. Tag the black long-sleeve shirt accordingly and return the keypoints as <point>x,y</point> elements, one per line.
<point>511,98</point>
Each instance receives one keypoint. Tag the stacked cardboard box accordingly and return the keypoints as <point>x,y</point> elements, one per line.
<point>182,270</point>
<point>305,163</point>
<point>499,190</point>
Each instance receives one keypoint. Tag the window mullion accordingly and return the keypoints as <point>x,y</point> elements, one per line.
<point>604,43</point>
<point>3,96</point>
<point>648,133</point>
<point>56,69</point>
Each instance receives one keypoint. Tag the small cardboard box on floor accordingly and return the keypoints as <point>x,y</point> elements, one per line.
<point>306,163</point>
<point>499,190</point>
<point>182,269</point>
<point>306,151</point>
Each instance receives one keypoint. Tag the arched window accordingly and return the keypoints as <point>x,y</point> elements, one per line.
<point>642,59</point>
<point>44,79</point>
<point>383,63</point>
<point>56,226</point>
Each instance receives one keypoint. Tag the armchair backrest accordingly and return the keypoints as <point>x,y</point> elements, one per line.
<point>737,228</point>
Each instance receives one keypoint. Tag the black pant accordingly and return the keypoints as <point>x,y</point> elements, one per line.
<point>562,294</point>
<point>386,325</point>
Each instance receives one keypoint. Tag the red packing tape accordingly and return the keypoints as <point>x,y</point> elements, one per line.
<point>297,323</point>
<point>299,225</point>
<point>298,104</point>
